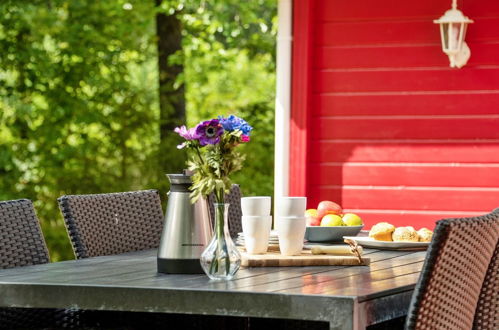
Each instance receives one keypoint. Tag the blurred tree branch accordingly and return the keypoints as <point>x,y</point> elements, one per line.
<point>171,90</point>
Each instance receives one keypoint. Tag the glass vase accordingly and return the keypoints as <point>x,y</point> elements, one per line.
<point>221,259</point>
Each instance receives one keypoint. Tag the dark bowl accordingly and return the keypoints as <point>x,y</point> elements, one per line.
<point>330,234</point>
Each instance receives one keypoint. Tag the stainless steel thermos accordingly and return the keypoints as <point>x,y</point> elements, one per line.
<point>187,229</point>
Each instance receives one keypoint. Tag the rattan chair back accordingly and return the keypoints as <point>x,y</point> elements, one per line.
<point>22,244</point>
<point>21,238</point>
<point>235,213</point>
<point>448,290</point>
<point>487,309</point>
<point>106,224</point>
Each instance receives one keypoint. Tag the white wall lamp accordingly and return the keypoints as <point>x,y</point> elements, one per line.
<point>452,31</point>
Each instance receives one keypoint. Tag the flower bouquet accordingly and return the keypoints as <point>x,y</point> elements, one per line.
<point>213,158</point>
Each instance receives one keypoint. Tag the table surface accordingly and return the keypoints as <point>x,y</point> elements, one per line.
<point>348,297</point>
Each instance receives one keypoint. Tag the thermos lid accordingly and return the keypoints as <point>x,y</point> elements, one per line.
<point>184,178</point>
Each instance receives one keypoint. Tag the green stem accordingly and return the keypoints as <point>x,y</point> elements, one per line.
<point>222,248</point>
<point>214,265</point>
<point>199,155</point>
<point>219,197</point>
<point>201,160</point>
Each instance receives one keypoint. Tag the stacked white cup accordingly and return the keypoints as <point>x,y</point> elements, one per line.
<point>291,224</point>
<point>257,222</point>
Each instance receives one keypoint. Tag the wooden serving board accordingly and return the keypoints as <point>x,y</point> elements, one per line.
<point>306,258</point>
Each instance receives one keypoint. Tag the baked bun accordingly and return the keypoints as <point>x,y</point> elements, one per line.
<point>425,235</point>
<point>382,231</point>
<point>405,234</point>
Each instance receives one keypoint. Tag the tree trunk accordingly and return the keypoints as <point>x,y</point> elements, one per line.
<point>171,99</point>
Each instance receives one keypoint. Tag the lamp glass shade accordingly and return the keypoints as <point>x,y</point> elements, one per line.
<point>453,36</point>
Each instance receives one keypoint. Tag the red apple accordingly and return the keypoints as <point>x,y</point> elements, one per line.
<point>312,217</point>
<point>313,222</point>
<point>328,207</point>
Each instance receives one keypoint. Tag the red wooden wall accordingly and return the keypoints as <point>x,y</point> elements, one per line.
<point>381,123</point>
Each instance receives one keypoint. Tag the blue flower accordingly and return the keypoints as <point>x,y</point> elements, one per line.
<point>233,123</point>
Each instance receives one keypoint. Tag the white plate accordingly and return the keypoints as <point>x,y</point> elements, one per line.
<point>370,242</point>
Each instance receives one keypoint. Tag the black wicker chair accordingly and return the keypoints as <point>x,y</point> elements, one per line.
<point>106,224</point>
<point>22,244</point>
<point>235,213</point>
<point>458,287</point>
<point>487,309</point>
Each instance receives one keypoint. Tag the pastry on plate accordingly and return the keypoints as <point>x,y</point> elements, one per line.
<point>425,235</point>
<point>382,231</point>
<point>405,234</point>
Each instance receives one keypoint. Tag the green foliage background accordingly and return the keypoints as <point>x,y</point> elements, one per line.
<point>79,94</point>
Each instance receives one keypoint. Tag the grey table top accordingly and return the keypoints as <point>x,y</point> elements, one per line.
<point>348,297</point>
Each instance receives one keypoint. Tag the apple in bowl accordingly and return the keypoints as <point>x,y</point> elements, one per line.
<point>331,220</point>
<point>312,217</point>
<point>351,219</point>
<point>328,207</point>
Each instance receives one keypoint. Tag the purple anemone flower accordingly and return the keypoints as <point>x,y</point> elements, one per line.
<point>209,132</point>
<point>188,134</point>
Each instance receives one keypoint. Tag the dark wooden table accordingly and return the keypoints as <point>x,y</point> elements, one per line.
<point>348,297</point>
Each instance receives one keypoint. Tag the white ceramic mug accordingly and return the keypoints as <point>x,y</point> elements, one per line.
<point>291,232</point>
<point>256,205</point>
<point>292,206</point>
<point>256,231</point>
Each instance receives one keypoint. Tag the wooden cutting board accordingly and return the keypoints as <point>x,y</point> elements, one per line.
<point>306,258</point>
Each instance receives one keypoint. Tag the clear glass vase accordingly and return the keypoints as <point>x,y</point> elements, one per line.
<point>221,259</point>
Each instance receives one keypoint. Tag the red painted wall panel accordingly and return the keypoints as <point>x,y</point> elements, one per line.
<point>401,32</point>
<point>405,79</point>
<point>410,127</point>
<point>410,56</point>
<point>405,174</point>
<point>341,10</point>
<point>414,103</point>
<point>393,133</point>
<point>409,198</point>
<point>407,151</point>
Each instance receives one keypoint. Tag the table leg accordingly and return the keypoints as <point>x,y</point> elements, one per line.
<point>380,309</point>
